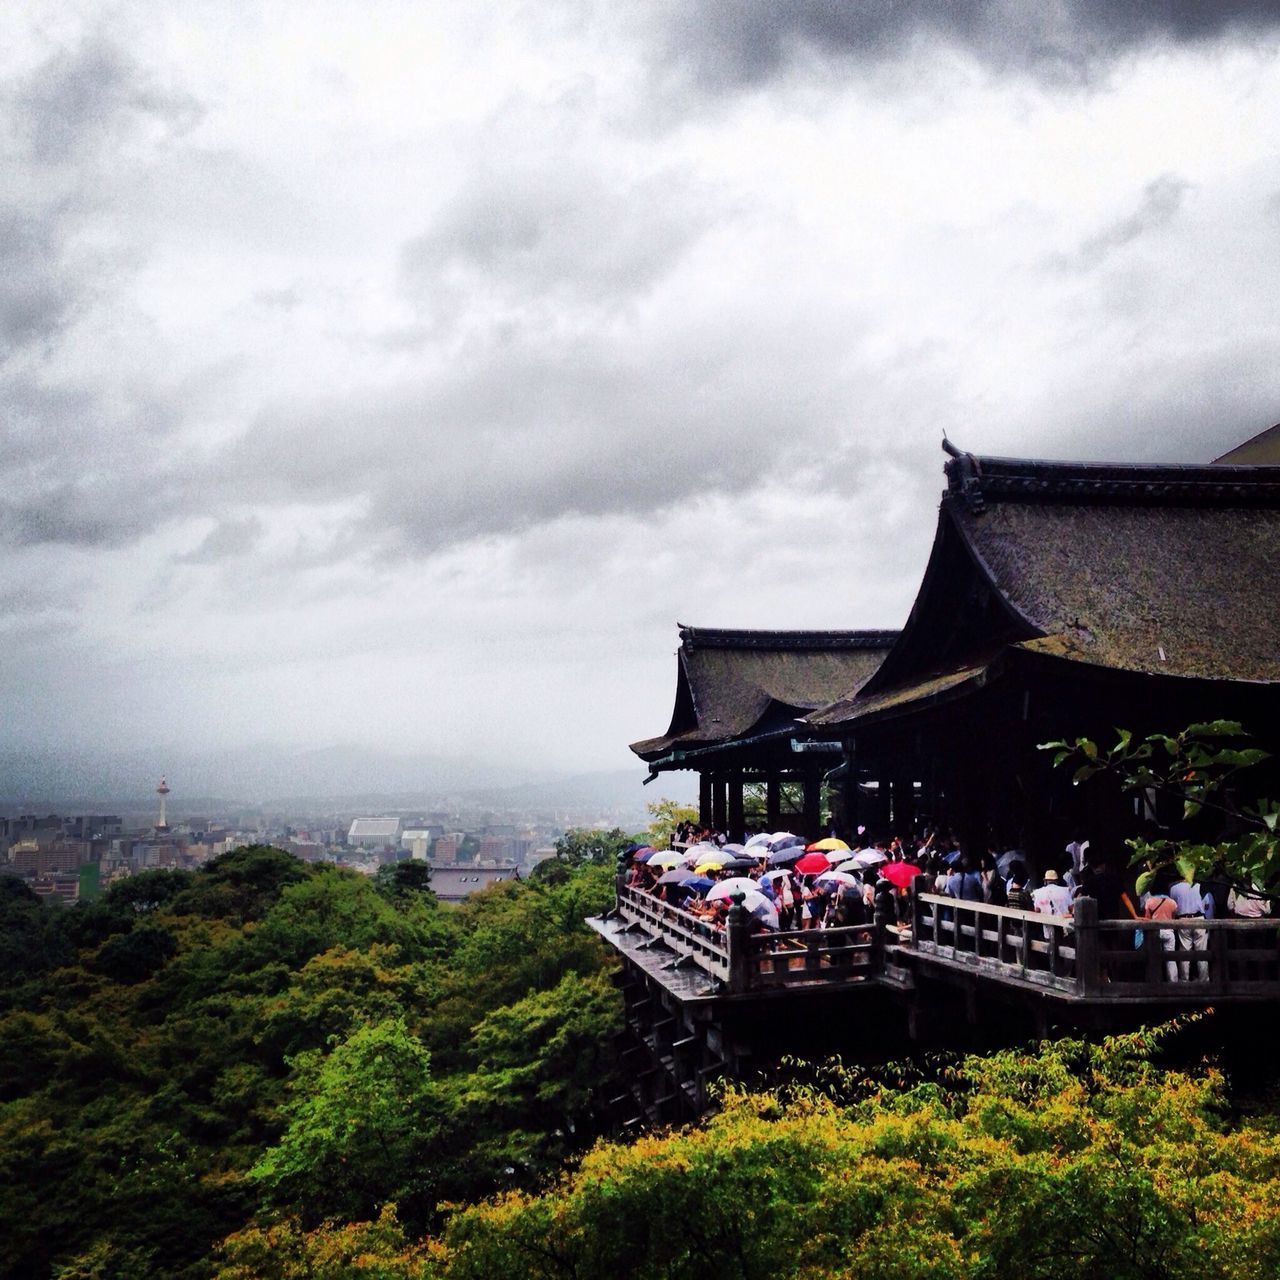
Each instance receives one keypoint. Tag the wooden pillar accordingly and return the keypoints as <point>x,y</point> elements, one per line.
<point>773,801</point>
<point>719,803</point>
<point>735,824</point>
<point>704,800</point>
<point>904,803</point>
<point>812,820</point>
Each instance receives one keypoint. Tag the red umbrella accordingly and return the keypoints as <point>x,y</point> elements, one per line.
<point>900,873</point>
<point>812,862</point>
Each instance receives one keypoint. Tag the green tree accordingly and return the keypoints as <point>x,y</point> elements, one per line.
<point>402,880</point>
<point>1069,1162</point>
<point>1200,768</point>
<point>581,845</point>
<point>664,817</point>
<point>360,1126</point>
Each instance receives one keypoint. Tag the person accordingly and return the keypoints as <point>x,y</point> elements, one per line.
<point>1246,904</point>
<point>1192,903</point>
<point>1052,898</point>
<point>1017,896</point>
<point>1158,906</point>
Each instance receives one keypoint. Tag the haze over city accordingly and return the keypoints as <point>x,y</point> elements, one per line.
<point>393,378</point>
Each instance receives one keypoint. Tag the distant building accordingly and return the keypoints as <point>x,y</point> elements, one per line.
<point>447,847</point>
<point>374,833</point>
<point>453,883</point>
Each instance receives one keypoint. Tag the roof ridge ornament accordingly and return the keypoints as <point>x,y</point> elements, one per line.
<point>964,475</point>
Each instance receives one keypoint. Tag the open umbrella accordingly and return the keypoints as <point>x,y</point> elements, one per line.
<point>837,877</point>
<point>776,874</point>
<point>785,840</point>
<point>760,837</point>
<point>851,865</point>
<point>665,860</point>
<point>699,884</point>
<point>644,855</point>
<point>705,854</point>
<point>812,863</point>
<point>727,888</point>
<point>900,873</point>
<point>833,856</point>
<point>739,864</point>
<point>829,845</point>
<point>870,858</point>
<point>787,857</point>
<point>762,909</point>
<point>732,848</point>
<point>677,876</point>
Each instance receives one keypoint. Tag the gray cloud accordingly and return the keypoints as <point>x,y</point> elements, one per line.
<point>726,43</point>
<point>1161,200</point>
<point>227,540</point>
<point>519,435</point>
<point>81,99</point>
<point>77,463</point>
<point>568,234</point>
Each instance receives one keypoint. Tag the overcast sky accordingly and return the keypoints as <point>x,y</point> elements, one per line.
<point>399,374</point>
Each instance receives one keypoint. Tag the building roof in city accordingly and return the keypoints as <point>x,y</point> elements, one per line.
<point>374,828</point>
<point>731,683</point>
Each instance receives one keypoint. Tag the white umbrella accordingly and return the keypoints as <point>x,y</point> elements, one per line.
<point>718,856</point>
<point>760,837</point>
<point>834,855</point>
<point>868,858</point>
<point>762,909</point>
<point>852,865</point>
<point>837,877</point>
<point>735,884</point>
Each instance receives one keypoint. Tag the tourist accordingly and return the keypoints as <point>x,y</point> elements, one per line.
<point>1052,898</point>
<point>1158,906</point>
<point>1192,903</point>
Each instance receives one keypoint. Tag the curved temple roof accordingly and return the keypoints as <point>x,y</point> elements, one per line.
<point>1161,570</point>
<point>733,684</point>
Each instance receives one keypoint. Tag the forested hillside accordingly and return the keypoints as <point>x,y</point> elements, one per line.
<point>262,1037</point>
<point>267,1070</point>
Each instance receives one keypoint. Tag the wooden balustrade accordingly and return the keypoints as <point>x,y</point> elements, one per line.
<point>1080,956</point>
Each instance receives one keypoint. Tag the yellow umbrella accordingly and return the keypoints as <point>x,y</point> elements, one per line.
<point>830,844</point>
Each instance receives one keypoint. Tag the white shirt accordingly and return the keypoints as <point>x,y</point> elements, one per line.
<point>1052,899</point>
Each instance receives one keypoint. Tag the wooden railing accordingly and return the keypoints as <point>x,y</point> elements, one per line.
<point>692,939</point>
<point>1109,959</point>
<point>1080,956</point>
<point>744,960</point>
<point>1000,941</point>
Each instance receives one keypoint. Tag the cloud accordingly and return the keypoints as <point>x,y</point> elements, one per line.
<point>567,234</point>
<point>227,540</point>
<point>81,100</point>
<point>735,43</point>
<point>1161,200</point>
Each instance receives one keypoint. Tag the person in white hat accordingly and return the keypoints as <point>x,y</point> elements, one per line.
<point>1052,898</point>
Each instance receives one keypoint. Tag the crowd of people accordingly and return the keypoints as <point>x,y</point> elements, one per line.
<point>788,884</point>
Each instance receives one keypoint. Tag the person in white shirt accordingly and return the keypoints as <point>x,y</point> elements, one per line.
<point>1190,901</point>
<point>1052,898</point>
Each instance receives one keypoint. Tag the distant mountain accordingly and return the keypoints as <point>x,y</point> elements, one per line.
<point>329,777</point>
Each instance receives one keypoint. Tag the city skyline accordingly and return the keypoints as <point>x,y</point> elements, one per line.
<point>399,378</point>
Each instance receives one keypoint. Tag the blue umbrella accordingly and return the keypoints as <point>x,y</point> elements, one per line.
<point>699,884</point>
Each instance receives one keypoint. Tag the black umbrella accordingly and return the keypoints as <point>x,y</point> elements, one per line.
<point>785,857</point>
<point>740,864</point>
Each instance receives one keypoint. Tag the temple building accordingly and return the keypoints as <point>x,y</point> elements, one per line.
<point>739,698</point>
<point>1060,599</point>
